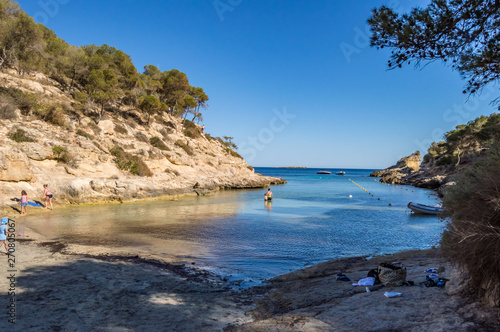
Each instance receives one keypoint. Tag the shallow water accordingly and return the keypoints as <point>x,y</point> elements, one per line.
<point>311,219</point>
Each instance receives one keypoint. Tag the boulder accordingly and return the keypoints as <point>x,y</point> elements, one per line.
<point>107,127</point>
<point>14,166</point>
<point>36,151</point>
<point>79,189</point>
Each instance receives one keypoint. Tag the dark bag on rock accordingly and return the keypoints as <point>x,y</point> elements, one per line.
<point>374,274</point>
<point>392,274</point>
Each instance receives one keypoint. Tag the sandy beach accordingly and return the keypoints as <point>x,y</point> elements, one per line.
<point>58,289</point>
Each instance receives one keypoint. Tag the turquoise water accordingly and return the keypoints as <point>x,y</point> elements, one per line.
<point>313,218</point>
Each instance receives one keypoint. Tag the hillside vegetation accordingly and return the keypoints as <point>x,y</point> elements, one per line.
<point>83,120</point>
<point>465,143</point>
<point>99,78</point>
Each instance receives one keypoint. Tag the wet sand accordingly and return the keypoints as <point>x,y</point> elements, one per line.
<point>60,289</point>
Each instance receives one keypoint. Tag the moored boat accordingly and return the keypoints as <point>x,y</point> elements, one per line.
<point>323,172</point>
<point>340,173</point>
<point>425,209</point>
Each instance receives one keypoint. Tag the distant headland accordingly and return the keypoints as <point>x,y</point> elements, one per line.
<point>298,167</point>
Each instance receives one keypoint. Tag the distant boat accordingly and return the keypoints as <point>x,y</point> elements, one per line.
<point>425,209</point>
<point>323,172</point>
<point>340,173</point>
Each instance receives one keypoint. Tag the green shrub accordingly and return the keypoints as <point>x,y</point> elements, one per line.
<point>22,100</point>
<point>233,153</point>
<point>120,129</point>
<point>141,137</point>
<point>128,162</point>
<point>131,123</point>
<point>472,235</point>
<point>80,97</point>
<point>61,154</point>
<point>84,134</point>
<point>228,141</point>
<point>129,98</point>
<point>7,108</point>
<point>447,159</point>
<point>191,130</point>
<point>185,147</point>
<point>20,136</point>
<point>51,113</point>
<point>158,143</point>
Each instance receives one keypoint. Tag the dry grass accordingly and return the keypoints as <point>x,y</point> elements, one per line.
<point>128,162</point>
<point>472,237</point>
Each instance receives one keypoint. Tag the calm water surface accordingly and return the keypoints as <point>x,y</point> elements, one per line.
<point>311,219</point>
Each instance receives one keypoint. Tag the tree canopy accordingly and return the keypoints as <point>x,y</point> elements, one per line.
<point>104,74</point>
<point>462,33</point>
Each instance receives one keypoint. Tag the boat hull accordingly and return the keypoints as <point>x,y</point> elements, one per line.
<point>424,209</point>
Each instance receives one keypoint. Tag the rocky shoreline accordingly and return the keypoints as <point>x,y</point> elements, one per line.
<point>122,157</point>
<point>410,171</point>
<point>62,289</point>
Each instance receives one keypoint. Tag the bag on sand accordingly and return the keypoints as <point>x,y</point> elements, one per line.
<point>392,274</point>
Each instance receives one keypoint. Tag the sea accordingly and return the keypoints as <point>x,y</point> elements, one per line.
<point>238,236</point>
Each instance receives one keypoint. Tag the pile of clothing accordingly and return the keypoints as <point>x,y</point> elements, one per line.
<point>433,279</point>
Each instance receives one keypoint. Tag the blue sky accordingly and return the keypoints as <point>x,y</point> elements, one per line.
<point>294,82</point>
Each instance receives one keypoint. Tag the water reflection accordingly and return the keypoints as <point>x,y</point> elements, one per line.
<point>170,227</point>
<point>231,231</point>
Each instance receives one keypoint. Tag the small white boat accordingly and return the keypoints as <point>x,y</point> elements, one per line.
<point>323,172</point>
<point>340,173</point>
<point>425,209</point>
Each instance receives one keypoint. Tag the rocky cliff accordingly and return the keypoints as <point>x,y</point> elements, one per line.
<point>85,161</point>
<point>409,170</point>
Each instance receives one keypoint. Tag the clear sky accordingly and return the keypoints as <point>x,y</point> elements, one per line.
<point>294,82</point>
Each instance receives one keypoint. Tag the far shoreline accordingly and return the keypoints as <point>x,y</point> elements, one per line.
<point>291,167</point>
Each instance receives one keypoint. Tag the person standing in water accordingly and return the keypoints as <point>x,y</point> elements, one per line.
<point>24,202</point>
<point>48,196</point>
<point>269,195</point>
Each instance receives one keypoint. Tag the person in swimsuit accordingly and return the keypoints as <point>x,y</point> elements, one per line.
<point>24,202</point>
<point>268,195</point>
<point>48,196</point>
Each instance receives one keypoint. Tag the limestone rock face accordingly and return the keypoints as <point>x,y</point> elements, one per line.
<point>14,166</point>
<point>85,170</point>
<point>107,127</point>
<point>404,167</point>
<point>36,151</point>
<point>409,171</point>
